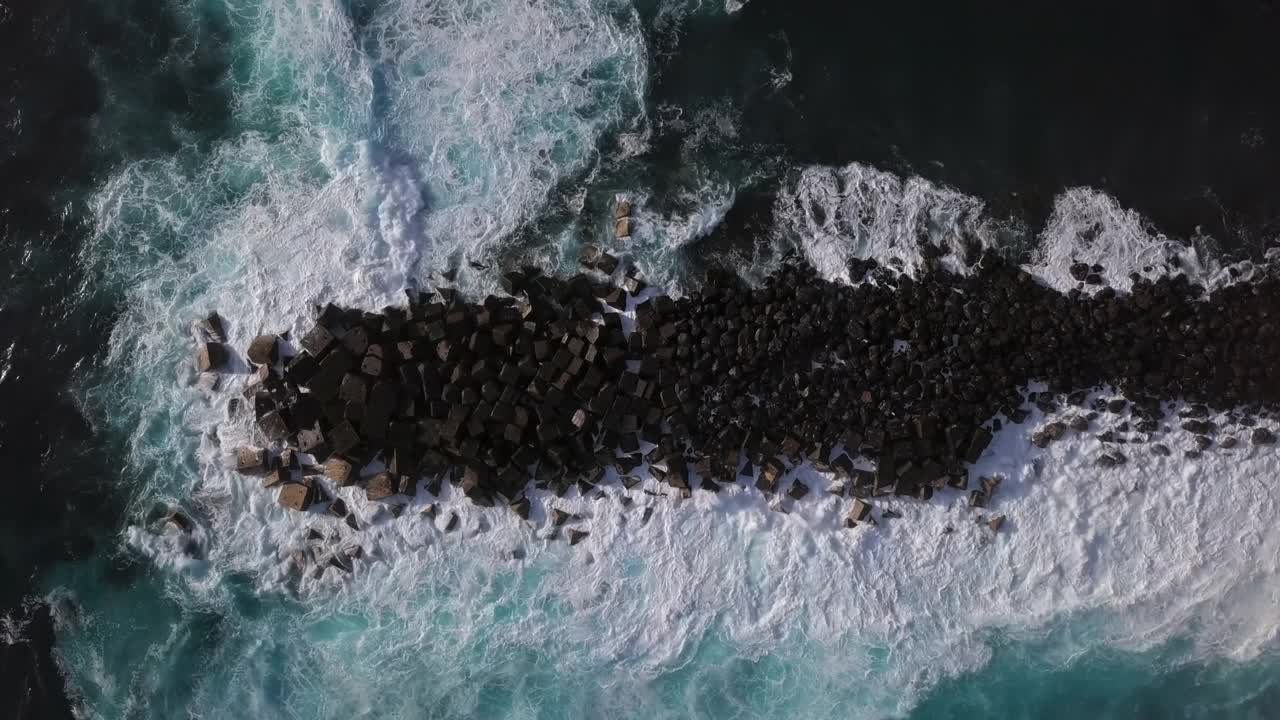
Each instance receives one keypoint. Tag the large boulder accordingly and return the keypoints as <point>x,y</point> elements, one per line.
<point>264,350</point>
<point>340,471</point>
<point>211,356</point>
<point>770,473</point>
<point>297,496</point>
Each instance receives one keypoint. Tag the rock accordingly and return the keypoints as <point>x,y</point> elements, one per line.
<point>996,523</point>
<point>211,356</point>
<point>1262,436</point>
<point>1199,427</point>
<point>1047,434</point>
<point>1161,449</point>
<point>589,256</point>
<point>798,490</point>
<point>264,350</point>
<point>577,536</point>
<point>214,328</point>
<point>296,496</point>
<point>560,517</point>
<point>891,514</point>
<point>990,484</point>
<point>521,506</point>
<point>180,520</point>
<point>621,209</point>
<point>860,513</point>
<point>277,477</point>
<point>770,472</point>
<point>341,562</point>
<point>977,445</point>
<point>911,372</point>
<point>381,486</point>
<point>644,516</point>
<point>274,426</point>
<point>1112,458</point>
<point>338,508</point>
<point>251,460</point>
<point>452,524</point>
<point>339,471</point>
<point>352,522</point>
<point>622,228</point>
<point>1228,442</point>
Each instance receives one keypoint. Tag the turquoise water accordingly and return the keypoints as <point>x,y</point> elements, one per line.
<point>362,146</point>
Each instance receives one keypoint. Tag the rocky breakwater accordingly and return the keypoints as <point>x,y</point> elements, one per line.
<point>892,384</point>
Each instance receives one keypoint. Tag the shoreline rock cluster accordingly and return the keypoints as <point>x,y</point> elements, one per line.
<point>551,385</point>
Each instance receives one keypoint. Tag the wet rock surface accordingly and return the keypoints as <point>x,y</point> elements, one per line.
<point>550,386</point>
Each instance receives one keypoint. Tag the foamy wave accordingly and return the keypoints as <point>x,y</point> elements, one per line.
<point>500,101</point>
<point>836,214</point>
<point>1091,227</point>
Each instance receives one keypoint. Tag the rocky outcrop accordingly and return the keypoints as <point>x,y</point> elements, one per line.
<point>912,376</point>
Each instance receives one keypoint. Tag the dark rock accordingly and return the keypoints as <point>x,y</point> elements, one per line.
<point>179,519</point>
<point>521,506</point>
<point>577,536</point>
<point>211,356</point>
<point>770,473</point>
<point>277,477</point>
<point>1199,427</point>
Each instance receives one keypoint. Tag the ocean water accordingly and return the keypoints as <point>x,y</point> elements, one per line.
<point>274,154</point>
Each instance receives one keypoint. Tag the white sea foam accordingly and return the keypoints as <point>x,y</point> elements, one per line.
<point>501,100</point>
<point>836,214</point>
<point>1091,227</point>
